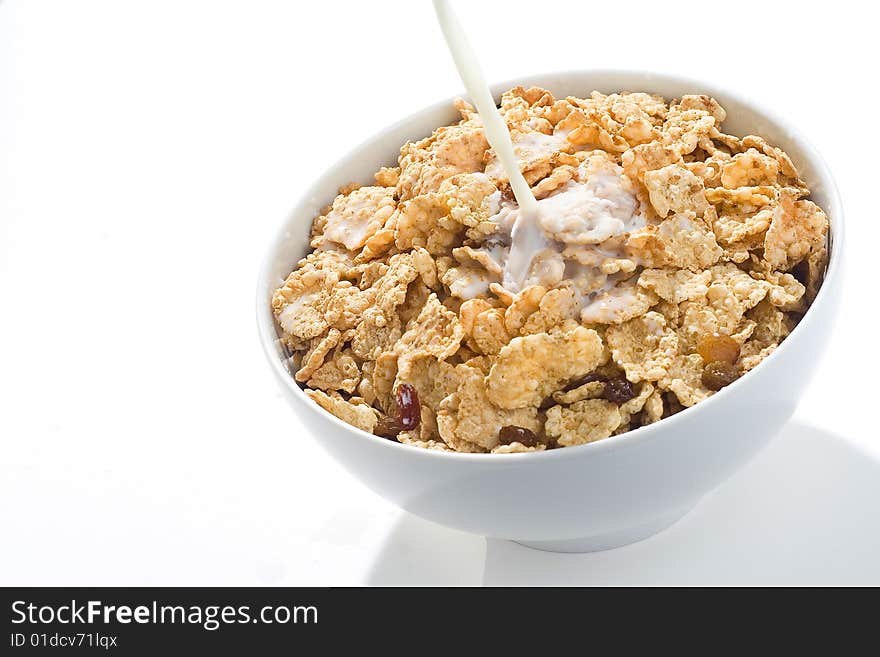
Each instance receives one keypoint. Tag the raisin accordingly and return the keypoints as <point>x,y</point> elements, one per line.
<point>718,348</point>
<point>671,405</point>
<point>718,374</point>
<point>512,434</point>
<point>801,271</point>
<point>406,415</point>
<point>388,426</point>
<point>618,391</point>
<point>547,403</point>
<point>409,410</point>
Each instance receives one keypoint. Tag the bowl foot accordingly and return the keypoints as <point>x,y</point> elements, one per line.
<point>610,540</point>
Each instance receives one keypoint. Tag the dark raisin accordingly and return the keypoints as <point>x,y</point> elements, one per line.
<point>405,416</point>
<point>409,410</point>
<point>801,271</point>
<point>387,427</point>
<point>671,405</point>
<point>716,347</point>
<point>718,374</point>
<point>511,434</point>
<point>618,391</point>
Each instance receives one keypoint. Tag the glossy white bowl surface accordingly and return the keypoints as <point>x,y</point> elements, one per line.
<point>602,494</point>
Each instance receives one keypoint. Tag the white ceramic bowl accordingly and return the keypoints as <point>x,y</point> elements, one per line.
<point>603,494</point>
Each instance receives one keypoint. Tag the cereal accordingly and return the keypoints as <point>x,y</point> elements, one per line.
<point>469,421</point>
<point>423,222</point>
<point>582,422</point>
<point>390,290</point>
<point>653,408</point>
<point>813,271</point>
<point>518,448</point>
<point>314,357</point>
<point>644,347</point>
<point>749,169</point>
<point>347,304</point>
<point>356,217</point>
<point>676,285</point>
<point>684,380</point>
<point>682,241</point>
<point>522,307</point>
<point>619,304</point>
<point>361,416</point>
<point>340,373</point>
<point>797,229</point>
<point>435,332</point>
<point>531,367</point>
<point>407,438</point>
<point>425,164</point>
<point>554,309</point>
<point>675,258</point>
<point>370,340</point>
<point>590,389</point>
<point>703,103</point>
<point>489,333</point>
<point>644,158</point>
<point>675,189</point>
<point>786,167</point>
<point>685,127</point>
<point>433,379</point>
<point>770,329</point>
<point>556,180</point>
<point>299,304</point>
<point>634,404</point>
<point>382,378</point>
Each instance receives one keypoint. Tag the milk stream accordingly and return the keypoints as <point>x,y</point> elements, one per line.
<point>527,238</point>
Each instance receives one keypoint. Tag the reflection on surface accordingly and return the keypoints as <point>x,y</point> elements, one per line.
<point>804,511</point>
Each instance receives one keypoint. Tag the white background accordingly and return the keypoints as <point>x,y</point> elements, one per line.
<point>150,150</point>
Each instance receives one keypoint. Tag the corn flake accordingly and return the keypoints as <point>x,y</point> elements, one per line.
<point>435,332</point>
<point>674,189</point>
<point>530,368</point>
<point>749,169</point>
<point>355,218</point>
<point>469,421</point>
<point>583,422</point>
<point>797,229</point>
<point>360,416</point>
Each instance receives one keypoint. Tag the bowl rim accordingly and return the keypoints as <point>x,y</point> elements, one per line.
<point>628,439</point>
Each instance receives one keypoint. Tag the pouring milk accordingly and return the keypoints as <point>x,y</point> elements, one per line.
<point>527,237</point>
